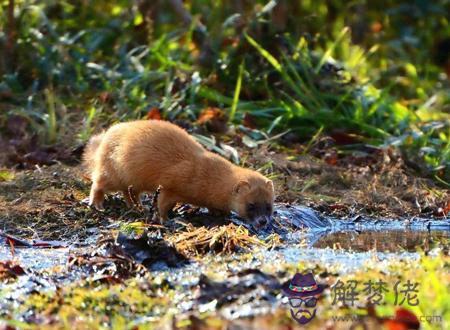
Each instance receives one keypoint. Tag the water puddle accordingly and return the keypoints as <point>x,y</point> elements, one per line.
<point>380,240</point>
<point>234,283</point>
<point>346,245</point>
<point>305,236</point>
<point>36,259</point>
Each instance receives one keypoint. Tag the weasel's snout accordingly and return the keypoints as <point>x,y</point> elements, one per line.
<point>262,221</point>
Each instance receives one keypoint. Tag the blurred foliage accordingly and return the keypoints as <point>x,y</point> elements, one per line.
<point>377,69</point>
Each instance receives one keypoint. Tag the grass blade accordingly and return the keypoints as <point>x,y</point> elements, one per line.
<point>237,91</point>
<point>331,49</point>
<point>269,57</point>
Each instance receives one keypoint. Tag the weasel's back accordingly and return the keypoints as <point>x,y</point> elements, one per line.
<point>139,153</point>
<point>155,138</point>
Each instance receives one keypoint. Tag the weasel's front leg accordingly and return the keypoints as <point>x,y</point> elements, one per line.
<point>166,202</point>
<point>96,197</point>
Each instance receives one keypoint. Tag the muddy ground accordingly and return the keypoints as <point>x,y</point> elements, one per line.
<point>47,202</point>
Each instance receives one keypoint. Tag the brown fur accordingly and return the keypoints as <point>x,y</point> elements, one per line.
<point>146,154</point>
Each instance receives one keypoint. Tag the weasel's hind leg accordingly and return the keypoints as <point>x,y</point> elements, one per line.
<point>166,202</point>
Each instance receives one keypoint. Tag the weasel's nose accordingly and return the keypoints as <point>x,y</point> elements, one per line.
<point>262,221</point>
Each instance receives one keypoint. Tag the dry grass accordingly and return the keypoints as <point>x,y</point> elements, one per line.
<point>46,203</point>
<point>195,241</point>
<point>379,185</point>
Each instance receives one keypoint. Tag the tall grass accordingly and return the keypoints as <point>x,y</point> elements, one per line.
<point>111,61</point>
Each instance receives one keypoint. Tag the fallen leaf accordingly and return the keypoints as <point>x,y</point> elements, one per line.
<point>214,119</point>
<point>154,114</point>
<point>230,41</point>
<point>9,269</point>
<point>18,242</point>
<point>331,158</point>
<point>443,211</point>
<point>344,138</point>
<point>104,97</point>
<point>13,250</point>
<point>249,142</point>
<point>403,320</point>
<point>249,121</point>
<point>376,27</point>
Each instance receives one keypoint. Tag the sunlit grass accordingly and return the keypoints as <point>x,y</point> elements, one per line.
<point>298,80</point>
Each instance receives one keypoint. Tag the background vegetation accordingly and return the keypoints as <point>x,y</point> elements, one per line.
<point>363,84</point>
<point>361,72</point>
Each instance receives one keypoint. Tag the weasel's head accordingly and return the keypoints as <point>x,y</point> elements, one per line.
<point>253,200</point>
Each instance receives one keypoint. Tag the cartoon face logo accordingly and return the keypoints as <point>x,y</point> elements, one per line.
<point>303,293</point>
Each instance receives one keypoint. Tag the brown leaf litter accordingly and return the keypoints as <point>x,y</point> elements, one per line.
<point>195,241</point>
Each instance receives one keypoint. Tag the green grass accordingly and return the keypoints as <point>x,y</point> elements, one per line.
<point>105,62</point>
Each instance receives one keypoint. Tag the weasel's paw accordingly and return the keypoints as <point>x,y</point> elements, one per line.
<point>96,205</point>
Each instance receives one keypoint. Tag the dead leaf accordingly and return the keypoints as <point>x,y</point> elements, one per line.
<point>18,242</point>
<point>230,41</point>
<point>443,211</point>
<point>249,121</point>
<point>376,27</point>
<point>154,114</point>
<point>9,269</point>
<point>11,245</point>
<point>403,320</point>
<point>104,97</point>
<point>344,138</point>
<point>214,119</point>
<point>331,158</point>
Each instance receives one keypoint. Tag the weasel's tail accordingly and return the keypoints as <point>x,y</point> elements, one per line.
<point>90,152</point>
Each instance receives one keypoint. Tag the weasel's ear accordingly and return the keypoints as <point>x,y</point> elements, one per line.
<point>269,184</point>
<point>241,187</point>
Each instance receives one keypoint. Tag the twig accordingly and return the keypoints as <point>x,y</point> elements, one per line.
<point>153,207</point>
<point>132,197</point>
